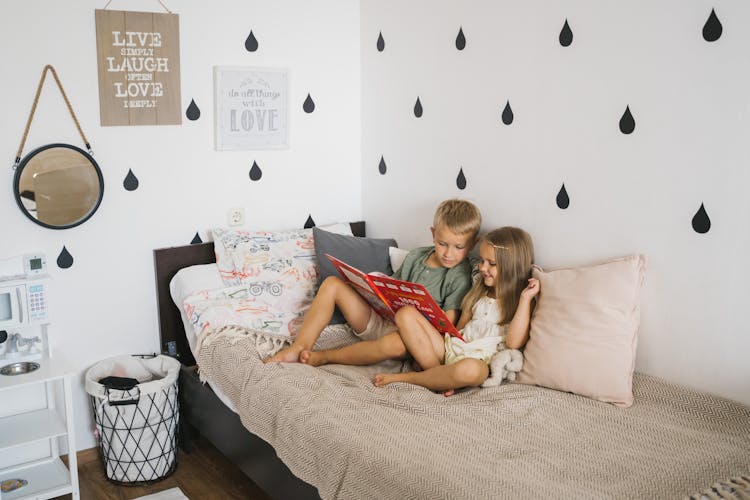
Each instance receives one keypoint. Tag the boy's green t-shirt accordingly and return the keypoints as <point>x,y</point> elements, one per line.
<point>447,286</point>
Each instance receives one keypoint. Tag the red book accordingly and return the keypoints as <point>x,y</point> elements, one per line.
<point>387,295</point>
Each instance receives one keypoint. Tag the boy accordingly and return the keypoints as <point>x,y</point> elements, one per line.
<point>441,268</point>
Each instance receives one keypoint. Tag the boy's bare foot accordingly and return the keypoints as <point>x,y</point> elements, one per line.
<point>286,355</point>
<point>313,358</point>
<point>382,379</point>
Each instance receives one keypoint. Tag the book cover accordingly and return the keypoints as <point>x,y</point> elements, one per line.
<point>387,295</point>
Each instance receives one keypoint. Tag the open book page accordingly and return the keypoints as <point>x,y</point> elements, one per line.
<point>387,295</point>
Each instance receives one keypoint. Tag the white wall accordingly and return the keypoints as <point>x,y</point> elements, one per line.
<point>628,193</point>
<point>105,304</point>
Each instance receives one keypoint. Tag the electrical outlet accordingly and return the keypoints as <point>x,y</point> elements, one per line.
<point>236,216</point>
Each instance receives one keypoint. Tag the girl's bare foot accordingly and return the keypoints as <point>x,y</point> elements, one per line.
<point>382,379</point>
<point>286,355</point>
<point>313,358</point>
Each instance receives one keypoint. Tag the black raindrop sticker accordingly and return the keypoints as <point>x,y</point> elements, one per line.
<point>712,29</point>
<point>64,260</point>
<point>309,105</point>
<point>251,43</point>
<point>309,222</point>
<point>507,114</point>
<point>461,179</point>
<point>566,35</point>
<point>381,166</point>
<point>381,42</point>
<point>418,108</point>
<point>131,181</point>
<point>562,198</point>
<point>460,39</point>
<point>255,172</point>
<point>196,239</point>
<point>701,222</point>
<point>193,113</point>
<point>627,123</point>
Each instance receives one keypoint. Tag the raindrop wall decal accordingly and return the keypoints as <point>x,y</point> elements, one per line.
<point>627,122</point>
<point>64,260</point>
<point>563,201</point>
<point>381,166</point>
<point>461,179</point>
<point>712,29</point>
<point>460,39</point>
<point>701,222</point>
<point>131,181</point>
<point>507,114</point>
<point>418,108</point>
<point>381,43</point>
<point>193,113</point>
<point>255,172</point>
<point>309,105</point>
<point>309,222</point>
<point>251,43</point>
<point>566,35</point>
<point>196,239</point>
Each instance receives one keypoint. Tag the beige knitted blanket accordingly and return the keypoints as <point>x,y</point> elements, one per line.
<point>352,440</point>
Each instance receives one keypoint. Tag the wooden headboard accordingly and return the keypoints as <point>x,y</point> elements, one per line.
<point>167,261</point>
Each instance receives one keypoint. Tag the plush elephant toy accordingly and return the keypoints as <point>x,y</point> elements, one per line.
<point>503,366</point>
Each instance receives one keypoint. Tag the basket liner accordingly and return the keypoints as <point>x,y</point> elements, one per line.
<point>137,427</point>
<point>153,374</point>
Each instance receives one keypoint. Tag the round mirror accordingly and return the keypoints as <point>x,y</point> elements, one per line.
<point>58,186</point>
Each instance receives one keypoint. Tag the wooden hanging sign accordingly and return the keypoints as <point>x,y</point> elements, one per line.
<point>138,56</point>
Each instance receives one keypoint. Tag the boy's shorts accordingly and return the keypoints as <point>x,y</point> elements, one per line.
<point>377,326</point>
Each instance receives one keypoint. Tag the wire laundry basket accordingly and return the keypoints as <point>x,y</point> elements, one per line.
<point>136,412</point>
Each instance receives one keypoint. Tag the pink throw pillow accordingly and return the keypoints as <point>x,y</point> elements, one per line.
<point>584,330</point>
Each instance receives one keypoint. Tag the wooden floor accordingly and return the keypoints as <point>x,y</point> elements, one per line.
<point>204,473</point>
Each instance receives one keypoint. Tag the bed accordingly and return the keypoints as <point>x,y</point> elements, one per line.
<point>303,432</point>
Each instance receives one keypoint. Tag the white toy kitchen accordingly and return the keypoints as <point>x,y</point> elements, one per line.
<point>36,409</point>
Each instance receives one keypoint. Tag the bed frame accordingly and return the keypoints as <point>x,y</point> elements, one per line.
<point>199,406</point>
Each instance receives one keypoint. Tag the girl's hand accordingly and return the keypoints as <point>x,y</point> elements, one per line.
<point>531,290</point>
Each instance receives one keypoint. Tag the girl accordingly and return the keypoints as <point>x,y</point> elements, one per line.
<point>497,309</point>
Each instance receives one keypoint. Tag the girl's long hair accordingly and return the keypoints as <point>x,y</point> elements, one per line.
<point>514,255</point>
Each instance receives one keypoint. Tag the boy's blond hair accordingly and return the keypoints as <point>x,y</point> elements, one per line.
<point>458,216</point>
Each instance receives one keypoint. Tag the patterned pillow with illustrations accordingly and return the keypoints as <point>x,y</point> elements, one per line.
<point>249,256</point>
<point>244,256</point>
<point>269,307</point>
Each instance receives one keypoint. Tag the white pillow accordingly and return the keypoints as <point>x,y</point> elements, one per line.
<point>186,282</point>
<point>189,280</point>
<point>339,228</point>
<point>397,256</point>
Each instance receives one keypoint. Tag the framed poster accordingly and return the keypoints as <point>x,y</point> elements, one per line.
<point>251,108</point>
<point>138,55</point>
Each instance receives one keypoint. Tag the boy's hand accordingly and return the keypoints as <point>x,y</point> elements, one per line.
<point>531,290</point>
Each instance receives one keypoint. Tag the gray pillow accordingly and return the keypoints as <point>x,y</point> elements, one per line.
<point>366,254</point>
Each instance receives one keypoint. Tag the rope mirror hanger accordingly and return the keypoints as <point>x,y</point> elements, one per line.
<point>57,186</point>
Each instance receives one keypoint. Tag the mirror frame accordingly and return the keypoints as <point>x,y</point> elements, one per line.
<point>28,157</point>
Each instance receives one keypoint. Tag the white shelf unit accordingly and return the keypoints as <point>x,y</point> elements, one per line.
<point>47,477</point>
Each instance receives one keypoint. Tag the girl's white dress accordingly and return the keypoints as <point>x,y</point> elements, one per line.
<point>482,333</point>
